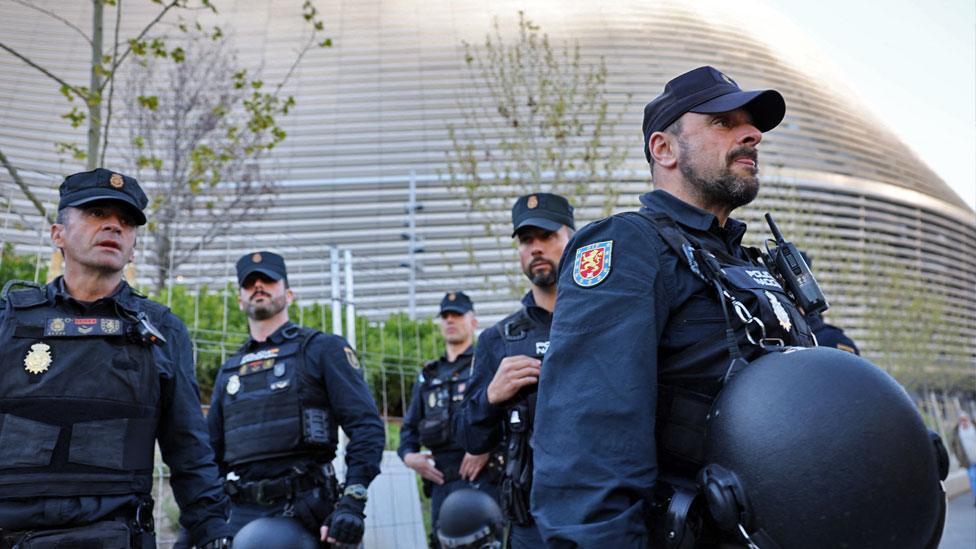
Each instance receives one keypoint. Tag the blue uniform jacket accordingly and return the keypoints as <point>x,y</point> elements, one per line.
<point>449,456</point>
<point>350,404</point>
<point>182,434</point>
<point>479,425</point>
<point>595,456</point>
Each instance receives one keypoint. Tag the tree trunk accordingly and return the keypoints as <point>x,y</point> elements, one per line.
<point>94,96</point>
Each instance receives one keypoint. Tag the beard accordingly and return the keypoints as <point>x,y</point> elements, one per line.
<point>725,188</point>
<point>542,279</point>
<point>266,309</point>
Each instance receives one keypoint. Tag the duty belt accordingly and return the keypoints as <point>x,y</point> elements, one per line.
<point>270,491</point>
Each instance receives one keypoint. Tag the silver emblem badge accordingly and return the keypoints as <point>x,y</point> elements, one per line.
<point>38,359</point>
<point>279,369</point>
<point>781,315</point>
<point>233,385</point>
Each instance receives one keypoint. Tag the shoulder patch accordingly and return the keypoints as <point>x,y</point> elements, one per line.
<point>592,264</point>
<point>847,348</point>
<point>351,357</point>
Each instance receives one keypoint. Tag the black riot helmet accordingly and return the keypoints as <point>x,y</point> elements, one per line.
<point>470,519</point>
<point>812,448</point>
<point>274,533</point>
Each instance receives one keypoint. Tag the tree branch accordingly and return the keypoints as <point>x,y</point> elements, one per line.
<point>55,16</point>
<point>118,61</point>
<point>24,188</point>
<point>111,87</point>
<point>44,71</point>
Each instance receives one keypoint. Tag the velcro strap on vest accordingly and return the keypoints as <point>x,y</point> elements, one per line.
<point>113,443</point>
<point>27,297</point>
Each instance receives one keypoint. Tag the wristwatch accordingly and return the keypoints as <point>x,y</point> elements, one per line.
<point>356,491</point>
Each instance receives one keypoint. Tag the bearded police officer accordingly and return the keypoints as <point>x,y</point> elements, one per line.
<point>438,392</point>
<point>94,375</point>
<point>499,406</point>
<point>276,409</point>
<point>656,308</point>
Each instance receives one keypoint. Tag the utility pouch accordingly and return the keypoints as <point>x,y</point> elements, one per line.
<point>434,432</point>
<point>109,534</point>
<point>315,427</point>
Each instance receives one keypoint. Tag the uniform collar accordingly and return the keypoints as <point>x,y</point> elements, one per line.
<point>288,330</point>
<point>56,291</point>
<point>693,217</point>
<point>433,365</point>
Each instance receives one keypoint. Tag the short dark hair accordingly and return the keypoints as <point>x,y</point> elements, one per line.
<point>62,218</point>
<point>674,129</point>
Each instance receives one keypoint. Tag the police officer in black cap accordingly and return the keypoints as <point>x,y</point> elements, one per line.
<point>275,413</point>
<point>95,375</point>
<point>656,309</point>
<point>436,395</point>
<point>499,406</point>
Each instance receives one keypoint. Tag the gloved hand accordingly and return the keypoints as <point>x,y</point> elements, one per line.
<point>311,510</point>
<point>346,524</point>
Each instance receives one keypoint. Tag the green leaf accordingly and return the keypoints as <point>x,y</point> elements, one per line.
<point>150,102</point>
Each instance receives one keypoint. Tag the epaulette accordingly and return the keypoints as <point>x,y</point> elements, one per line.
<point>30,296</point>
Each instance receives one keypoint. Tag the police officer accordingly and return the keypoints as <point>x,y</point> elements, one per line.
<point>827,334</point>
<point>499,406</point>
<point>94,375</point>
<point>656,309</point>
<point>276,409</point>
<point>436,394</point>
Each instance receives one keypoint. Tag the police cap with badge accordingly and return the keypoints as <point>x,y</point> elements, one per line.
<point>456,302</point>
<point>706,90</point>
<point>544,210</point>
<point>266,263</point>
<point>100,184</point>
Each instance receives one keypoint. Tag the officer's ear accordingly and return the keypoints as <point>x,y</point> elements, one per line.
<point>662,147</point>
<point>289,296</point>
<point>240,299</point>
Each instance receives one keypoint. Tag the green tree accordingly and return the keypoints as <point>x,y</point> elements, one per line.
<point>538,118</point>
<point>91,105</point>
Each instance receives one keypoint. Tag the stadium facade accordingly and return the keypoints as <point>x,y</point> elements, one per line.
<point>373,113</point>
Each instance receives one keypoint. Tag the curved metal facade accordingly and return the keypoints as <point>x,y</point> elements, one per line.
<point>375,108</point>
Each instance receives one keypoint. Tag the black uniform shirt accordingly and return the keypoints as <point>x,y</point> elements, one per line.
<point>182,433</point>
<point>451,454</point>
<point>595,454</point>
<point>479,425</point>
<point>349,400</point>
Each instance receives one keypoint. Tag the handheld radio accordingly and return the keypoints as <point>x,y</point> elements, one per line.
<point>794,273</point>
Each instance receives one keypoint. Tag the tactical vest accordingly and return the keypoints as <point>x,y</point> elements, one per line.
<point>522,336</point>
<point>79,401</point>
<point>441,395</point>
<point>756,313</point>
<point>273,407</point>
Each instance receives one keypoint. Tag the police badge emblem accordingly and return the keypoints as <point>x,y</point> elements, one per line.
<point>592,264</point>
<point>351,357</point>
<point>233,385</point>
<point>116,181</point>
<point>110,326</point>
<point>781,315</point>
<point>38,359</point>
<point>256,258</point>
<point>56,325</point>
<point>532,202</point>
<point>431,400</point>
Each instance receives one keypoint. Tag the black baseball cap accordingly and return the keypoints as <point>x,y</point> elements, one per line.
<point>269,264</point>
<point>101,184</point>
<point>456,302</point>
<point>545,210</point>
<point>707,90</point>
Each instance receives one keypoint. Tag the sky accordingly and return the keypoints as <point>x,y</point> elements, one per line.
<point>913,63</point>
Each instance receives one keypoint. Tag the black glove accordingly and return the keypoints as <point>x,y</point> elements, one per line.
<point>346,523</point>
<point>311,510</point>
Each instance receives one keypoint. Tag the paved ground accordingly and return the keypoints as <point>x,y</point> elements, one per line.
<point>960,528</point>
